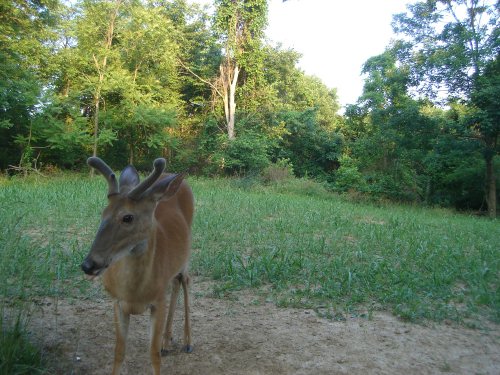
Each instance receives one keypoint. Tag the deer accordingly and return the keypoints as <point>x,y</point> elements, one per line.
<point>142,247</point>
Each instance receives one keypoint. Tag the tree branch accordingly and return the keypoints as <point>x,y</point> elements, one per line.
<point>201,79</point>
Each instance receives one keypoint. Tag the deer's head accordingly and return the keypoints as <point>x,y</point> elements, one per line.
<point>127,221</point>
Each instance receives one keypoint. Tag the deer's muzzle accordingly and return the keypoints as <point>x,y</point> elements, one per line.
<point>92,268</point>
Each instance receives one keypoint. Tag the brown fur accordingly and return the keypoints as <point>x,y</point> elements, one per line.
<point>157,250</point>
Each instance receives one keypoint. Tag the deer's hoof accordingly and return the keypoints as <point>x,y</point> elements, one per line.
<point>188,349</point>
<point>165,352</point>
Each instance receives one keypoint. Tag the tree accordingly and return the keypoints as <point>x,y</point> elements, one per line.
<point>104,15</point>
<point>287,88</point>
<point>146,101</point>
<point>390,133</point>
<point>312,150</point>
<point>240,25</point>
<point>199,56</point>
<point>120,73</point>
<point>26,36</point>
<point>451,44</point>
<point>485,122</point>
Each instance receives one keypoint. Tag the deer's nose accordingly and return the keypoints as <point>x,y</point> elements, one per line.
<point>88,266</point>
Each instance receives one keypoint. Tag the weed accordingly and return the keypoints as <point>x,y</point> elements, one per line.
<point>18,355</point>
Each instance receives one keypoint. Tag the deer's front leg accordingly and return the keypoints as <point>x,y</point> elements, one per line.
<point>121,329</point>
<point>158,315</point>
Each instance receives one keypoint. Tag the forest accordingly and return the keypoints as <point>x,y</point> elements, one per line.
<point>131,80</point>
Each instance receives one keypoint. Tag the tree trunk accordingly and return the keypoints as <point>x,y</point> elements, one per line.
<point>225,89</point>
<point>97,98</point>
<point>131,156</point>
<point>232,103</point>
<point>491,186</point>
<point>101,69</point>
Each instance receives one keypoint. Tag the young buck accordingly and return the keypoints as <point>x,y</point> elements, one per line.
<point>141,246</point>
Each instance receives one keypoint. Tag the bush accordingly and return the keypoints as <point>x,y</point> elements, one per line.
<point>247,153</point>
<point>282,170</point>
<point>313,150</point>
<point>348,176</point>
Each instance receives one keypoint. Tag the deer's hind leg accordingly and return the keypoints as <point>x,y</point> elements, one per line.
<point>181,279</point>
<point>185,281</point>
<point>168,335</point>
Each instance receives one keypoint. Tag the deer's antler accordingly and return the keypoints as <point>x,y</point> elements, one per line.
<point>159,166</point>
<point>99,165</point>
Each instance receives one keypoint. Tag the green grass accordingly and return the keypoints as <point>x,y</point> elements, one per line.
<point>18,356</point>
<point>295,243</point>
<point>325,253</point>
<point>45,227</point>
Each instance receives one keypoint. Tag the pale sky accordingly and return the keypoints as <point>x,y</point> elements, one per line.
<point>335,37</point>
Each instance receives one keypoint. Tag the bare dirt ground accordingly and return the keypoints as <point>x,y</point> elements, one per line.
<point>240,336</point>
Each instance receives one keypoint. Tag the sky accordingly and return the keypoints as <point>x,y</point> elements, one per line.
<point>335,37</point>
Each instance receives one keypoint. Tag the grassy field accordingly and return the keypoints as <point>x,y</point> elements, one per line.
<point>294,243</point>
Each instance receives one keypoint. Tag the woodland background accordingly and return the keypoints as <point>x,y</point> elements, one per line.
<point>130,80</point>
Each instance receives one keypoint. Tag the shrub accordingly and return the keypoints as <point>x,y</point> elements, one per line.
<point>244,154</point>
<point>348,176</point>
<point>282,170</point>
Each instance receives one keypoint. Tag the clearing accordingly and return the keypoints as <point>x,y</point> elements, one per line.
<point>245,335</point>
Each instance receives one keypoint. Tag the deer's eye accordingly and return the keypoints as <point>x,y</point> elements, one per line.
<point>128,219</point>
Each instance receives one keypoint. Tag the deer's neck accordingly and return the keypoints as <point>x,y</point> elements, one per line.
<point>130,279</point>
<point>143,255</point>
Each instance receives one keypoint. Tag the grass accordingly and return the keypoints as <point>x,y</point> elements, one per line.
<point>18,356</point>
<point>45,228</point>
<point>295,243</point>
<point>44,231</point>
<point>325,253</point>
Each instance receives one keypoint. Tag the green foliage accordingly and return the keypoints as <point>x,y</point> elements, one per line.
<point>348,177</point>
<point>240,23</point>
<point>61,133</point>
<point>200,51</point>
<point>455,173</point>
<point>289,89</point>
<point>409,149</point>
<point>144,130</point>
<point>485,118</point>
<point>311,149</point>
<point>142,78</point>
<point>450,42</point>
<point>25,29</point>
<point>245,154</point>
<point>452,46</point>
<point>18,356</point>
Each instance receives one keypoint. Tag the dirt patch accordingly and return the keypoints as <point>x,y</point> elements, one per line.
<point>242,336</point>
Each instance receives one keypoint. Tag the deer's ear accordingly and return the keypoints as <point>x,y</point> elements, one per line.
<point>128,178</point>
<point>165,187</point>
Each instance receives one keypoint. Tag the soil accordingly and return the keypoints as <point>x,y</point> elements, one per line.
<point>247,335</point>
